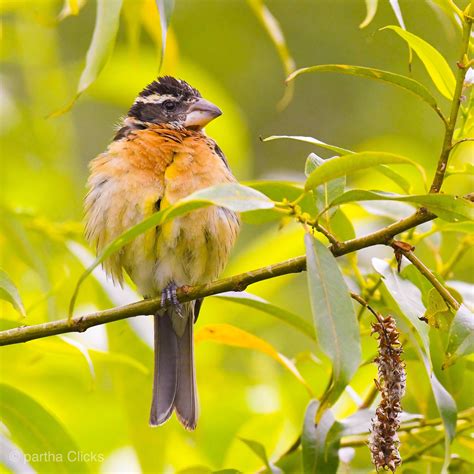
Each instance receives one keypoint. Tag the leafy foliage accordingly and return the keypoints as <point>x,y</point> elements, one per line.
<point>307,372</point>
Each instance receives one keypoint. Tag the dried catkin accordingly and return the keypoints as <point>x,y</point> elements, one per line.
<point>383,439</point>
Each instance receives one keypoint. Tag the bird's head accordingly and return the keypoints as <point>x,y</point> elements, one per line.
<point>173,101</point>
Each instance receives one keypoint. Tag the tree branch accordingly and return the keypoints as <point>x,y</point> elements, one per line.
<point>430,276</point>
<point>187,293</point>
<point>385,235</point>
<point>463,66</point>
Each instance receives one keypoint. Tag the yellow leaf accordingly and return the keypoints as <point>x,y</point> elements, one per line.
<point>233,336</point>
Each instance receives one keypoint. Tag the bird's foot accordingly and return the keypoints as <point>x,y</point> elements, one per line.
<point>169,298</point>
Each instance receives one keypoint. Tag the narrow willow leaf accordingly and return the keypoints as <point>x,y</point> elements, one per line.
<point>278,191</point>
<point>466,227</point>
<point>233,336</point>
<point>233,196</point>
<point>236,197</point>
<point>448,208</point>
<point>407,300</point>
<point>461,336</point>
<point>377,74</point>
<point>102,44</point>
<point>83,351</point>
<point>447,9</point>
<point>254,301</point>
<point>272,27</point>
<point>327,192</point>
<point>165,9</point>
<point>371,6</point>
<point>341,226</point>
<point>258,449</point>
<point>313,141</point>
<point>320,442</point>
<point>348,164</point>
<point>437,67</point>
<point>334,318</point>
<point>35,430</point>
<point>103,40</point>
<point>9,292</point>
<point>398,12</point>
<point>359,422</point>
<point>397,178</point>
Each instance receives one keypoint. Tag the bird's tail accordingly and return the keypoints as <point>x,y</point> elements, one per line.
<point>174,382</point>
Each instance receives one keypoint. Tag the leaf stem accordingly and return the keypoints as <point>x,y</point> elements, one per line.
<point>417,453</point>
<point>456,257</point>
<point>429,275</point>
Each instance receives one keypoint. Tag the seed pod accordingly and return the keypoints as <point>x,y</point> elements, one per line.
<point>383,439</point>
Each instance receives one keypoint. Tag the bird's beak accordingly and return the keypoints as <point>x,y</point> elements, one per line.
<point>201,113</point>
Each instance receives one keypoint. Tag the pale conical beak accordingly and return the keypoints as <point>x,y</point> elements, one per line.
<point>201,113</point>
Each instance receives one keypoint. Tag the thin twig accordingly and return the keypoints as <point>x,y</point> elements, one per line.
<point>456,256</point>
<point>429,275</point>
<point>417,453</point>
<point>455,104</point>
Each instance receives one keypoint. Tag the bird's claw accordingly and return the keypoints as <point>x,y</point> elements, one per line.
<point>169,298</point>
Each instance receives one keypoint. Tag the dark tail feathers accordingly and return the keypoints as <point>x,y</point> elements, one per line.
<point>174,382</point>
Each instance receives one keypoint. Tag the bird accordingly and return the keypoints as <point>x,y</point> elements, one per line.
<point>160,154</point>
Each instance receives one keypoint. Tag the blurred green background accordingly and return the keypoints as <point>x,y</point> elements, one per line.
<point>97,385</point>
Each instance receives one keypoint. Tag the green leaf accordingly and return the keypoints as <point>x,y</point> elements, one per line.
<point>348,164</point>
<point>272,27</point>
<point>449,9</point>
<point>377,74</point>
<point>9,292</point>
<point>165,9</point>
<point>278,191</point>
<point>437,67</point>
<point>371,6</point>
<point>320,442</point>
<point>449,208</point>
<point>334,318</point>
<point>437,313</point>
<point>406,299</point>
<point>258,449</point>
<point>36,431</point>
<point>397,178</point>
<point>327,192</point>
<point>236,197</point>
<point>313,161</point>
<point>254,301</point>
<point>466,227</point>
<point>103,40</point>
<point>342,227</point>
<point>461,336</point>
<point>312,141</point>
<point>233,196</point>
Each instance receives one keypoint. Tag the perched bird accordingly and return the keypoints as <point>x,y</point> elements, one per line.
<point>159,155</point>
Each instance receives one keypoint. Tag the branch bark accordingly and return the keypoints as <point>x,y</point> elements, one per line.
<point>187,293</point>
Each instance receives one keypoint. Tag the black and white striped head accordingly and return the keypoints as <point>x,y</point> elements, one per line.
<point>173,101</point>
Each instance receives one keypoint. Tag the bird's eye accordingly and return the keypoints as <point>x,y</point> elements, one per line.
<point>169,105</point>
